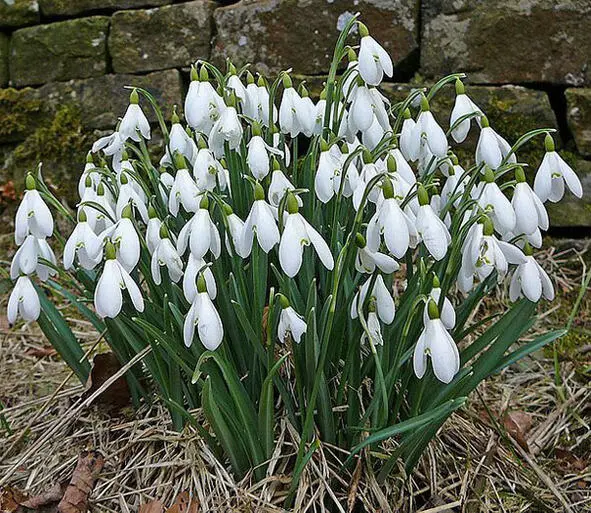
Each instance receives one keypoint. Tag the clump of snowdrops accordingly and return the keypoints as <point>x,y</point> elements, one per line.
<point>319,260</point>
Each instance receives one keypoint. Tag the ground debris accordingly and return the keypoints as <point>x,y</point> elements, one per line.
<point>88,468</point>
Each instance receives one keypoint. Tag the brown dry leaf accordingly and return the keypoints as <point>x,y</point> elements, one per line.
<point>354,486</point>
<point>184,503</point>
<point>152,507</point>
<point>569,461</point>
<point>115,397</point>
<point>88,468</point>
<point>518,424</point>
<point>53,494</point>
<point>10,499</point>
<point>41,352</point>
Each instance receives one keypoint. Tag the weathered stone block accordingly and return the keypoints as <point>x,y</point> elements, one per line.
<point>571,211</point>
<point>19,13</point>
<point>578,114</point>
<point>165,37</point>
<point>59,51</point>
<point>276,35</point>
<point>4,43</point>
<point>71,8</point>
<point>99,102</point>
<point>504,41</point>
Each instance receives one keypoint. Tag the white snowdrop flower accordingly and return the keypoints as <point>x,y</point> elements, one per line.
<point>82,243</point>
<point>530,281</point>
<point>206,169</point>
<point>368,172</point>
<point>391,223</point>
<point>234,232</point>
<point>448,314</point>
<point>534,238</point>
<point>307,113</point>
<point>373,330</point>
<point>431,228</point>
<point>552,174</point>
<point>409,146</point>
<point>400,165</point>
<point>291,117</point>
<point>374,61</point>
<point>112,145</point>
<point>261,221</point>
<point>27,259</point>
<point>23,301</point>
<point>125,240</point>
<point>203,105</point>
<point>258,154</point>
<point>361,113</point>
<point>203,316</point>
<point>438,344</point>
<point>462,107</point>
<point>429,133</point>
<point>373,135</point>
<point>454,185</point>
<point>200,234</point>
<point>298,233</point>
<point>280,184</point>
<point>108,298</point>
<point>235,84</point>
<point>530,213</point>
<point>98,219</point>
<point>350,82</point>
<point>492,200</point>
<point>195,267</point>
<point>134,121</point>
<point>384,302</point>
<point>153,230</point>
<point>166,255</point>
<point>284,151</point>
<point>350,173</point>
<point>492,148</point>
<point>128,195</point>
<point>256,106</point>
<point>290,323</point>
<point>319,111</point>
<point>179,142</point>
<point>33,216</point>
<point>89,178</point>
<point>367,260</point>
<point>327,181</point>
<point>226,129</point>
<point>183,192</point>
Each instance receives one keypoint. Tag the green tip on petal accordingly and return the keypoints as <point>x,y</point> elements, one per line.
<point>424,103</point>
<point>549,143</point>
<point>89,158</point>
<point>283,301</point>
<point>387,188</point>
<point>406,114</point>
<point>432,310</point>
<point>520,175</point>
<point>134,97</point>
<point>275,164</point>
<point>259,192</point>
<point>489,175</point>
<point>88,181</point>
<point>423,195</point>
<point>110,253</point>
<point>303,91</point>
<point>261,82</point>
<point>363,30</point>
<point>323,145</point>
<point>203,74</point>
<point>175,117</point>
<point>460,89</point>
<point>292,203</point>
<point>201,144</point>
<point>454,160</point>
<point>194,74</point>
<point>287,83</point>
<point>488,227</point>
<point>367,156</point>
<point>436,283</point>
<point>100,190</point>
<point>126,212</point>
<point>179,161</point>
<point>484,122</point>
<point>30,184</point>
<point>123,179</point>
<point>82,217</point>
<point>360,240</point>
<point>201,285</point>
<point>152,214</point>
<point>228,209</point>
<point>231,68</point>
<point>256,129</point>
<point>344,148</point>
<point>391,164</point>
<point>351,55</point>
<point>164,232</point>
<point>527,249</point>
<point>204,203</point>
<point>249,78</point>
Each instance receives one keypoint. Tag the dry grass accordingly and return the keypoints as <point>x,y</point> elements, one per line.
<point>473,465</point>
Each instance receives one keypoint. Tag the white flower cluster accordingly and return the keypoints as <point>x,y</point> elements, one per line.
<point>394,171</point>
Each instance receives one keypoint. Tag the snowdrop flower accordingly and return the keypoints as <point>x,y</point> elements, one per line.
<point>492,200</point>
<point>226,129</point>
<point>361,112</point>
<point>350,83</point>
<point>234,232</point>
<point>396,162</point>
<point>280,184</point>
<point>257,101</point>
<point>195,266</point>
<point>366,260</point>
<point>530,280</point>
<point>23,301</point>
<point>112,145</point>
<point>384,303</point>
<point>125,240</point>
<point>307,112</point>
<point>368,172</point>
<point>261,221</point>
<point>203,105</point>
<point>129,195</point>
<point>200,234</point>
<point>153,230</point>
<point>454,185</point>
<point>26,259</point>
<point>448,314</point>
<point>552,174</point>
<point>236,85</point>
<point>183,192</point>
<point>462,107</point>
<point>428,133</point>
<point>84,244</point>
<point>407,137</point>
<point>492,148</point>
<point>392,223</point>
<point>108,298</point>
<point>206,169</point>
<point>89,177</point>
<point>134,121</point>
<point>258,154</point>
<point>372,330</point>
<point>291,116</point>
<point>374,61</point>
<point>205,317</point>
<point>166,255</point>
<point>99,220</point>
<point>530,213</point>
<point>33,216</point>
<point>297,233</point>
<point>374,134</point>
<point>290,322</point>
<point>179,142</point>
<point>431,228</point>
<point>327,181</point>
<point>436,342</point>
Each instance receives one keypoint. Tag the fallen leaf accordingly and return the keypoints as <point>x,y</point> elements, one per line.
<point>353,487</point>
<point>184,503</point>
<point>88,468</point>
<point>41,352</point>
<point>152,507</point>
<point>518,424</point>
<point>569,461</point>
<point>10,499</point>
<point>115,397</point>
<point>53,494</point>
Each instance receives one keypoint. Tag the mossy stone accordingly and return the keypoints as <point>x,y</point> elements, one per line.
<point>21,112</point>
<point>59,51</point>
<point>18,13</point>
<point>579,118</point>
<point>73,7</point>
<point>4,42</point>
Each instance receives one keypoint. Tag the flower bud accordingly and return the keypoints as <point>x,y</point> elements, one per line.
<point>292,203</point>
<point>152,214</point>
<point>283,301</point>
<point>228,209</point>
<point>549,143</point>
<point>204,203</point>
<point>387,188</point>
<point>527,249</point>
<point>287,83</point>
<point>134,97</point>
<point>360,241</point>
<point>391,164</point>
<point>89,159</point>
<point>164,232</point>
<point>406,114</point>
<point>367,156</point>
<point>126,213</point>
<point>460,89</point>
<point>203,74</point>
<point>432,310</point>
<point>259,193</point>
<point>82,218</point>
<point>30,182</point>
<point>351,55</point>
<point>275,164</point>
<point>520,175</point>
<point>487,226</point>
<point>422,195</point>
<point>194,74</point>
<point>436,283</point>
<point>424,103</point>
<point>249,78</point>
<point>489,175</point>
<point>363,30</point>
<point>179,161</point>
<point>175,117</point>
<point>484,122</point>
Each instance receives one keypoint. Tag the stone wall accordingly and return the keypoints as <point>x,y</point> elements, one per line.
<point>63,65</point>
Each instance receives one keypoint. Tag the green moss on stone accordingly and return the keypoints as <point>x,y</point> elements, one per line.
<point>17,111</point>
